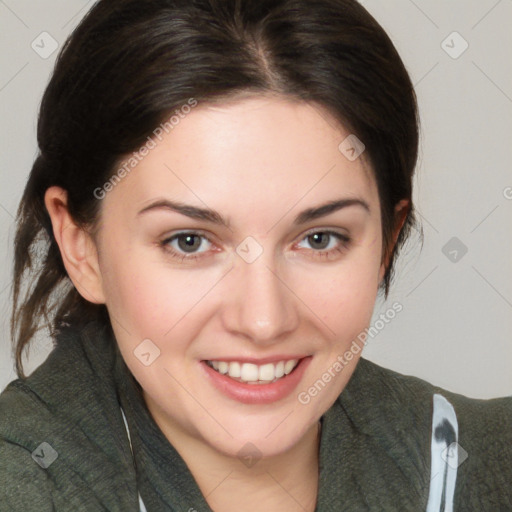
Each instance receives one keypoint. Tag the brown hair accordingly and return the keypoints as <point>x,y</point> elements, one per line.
<point>130,63</point>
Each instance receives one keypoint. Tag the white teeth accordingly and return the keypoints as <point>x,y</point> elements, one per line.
<point>252,373</point>
<point>279,369</point>
<point>234,369</point>
<point>267,372</point>
<point>249,372</point>
<point>289,366</point>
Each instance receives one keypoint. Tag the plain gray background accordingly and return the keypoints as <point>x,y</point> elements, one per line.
<point>455,327</point>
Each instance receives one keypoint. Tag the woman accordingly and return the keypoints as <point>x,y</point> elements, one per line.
<point>221,190</point>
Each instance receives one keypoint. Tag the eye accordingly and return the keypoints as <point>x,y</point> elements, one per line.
<point>186,245</point>
<point>326,243</point>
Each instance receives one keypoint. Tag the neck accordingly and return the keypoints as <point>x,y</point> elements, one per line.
<point>287,481</point>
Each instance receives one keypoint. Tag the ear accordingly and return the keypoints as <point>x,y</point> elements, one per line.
<point>77,248</point>
<point>401,211</point>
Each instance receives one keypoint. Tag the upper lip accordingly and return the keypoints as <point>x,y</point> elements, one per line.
<point>258,361</point>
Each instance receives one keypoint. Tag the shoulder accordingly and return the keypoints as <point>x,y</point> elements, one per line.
<point>24,483</point>
<point>62,443</point>
<point>380,397</point>
<point>400,387</point>
<point>394,389</point>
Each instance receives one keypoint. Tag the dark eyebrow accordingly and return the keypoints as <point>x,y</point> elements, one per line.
<point>327,208</point>
<point>215,217</point>
<point>193,212</point>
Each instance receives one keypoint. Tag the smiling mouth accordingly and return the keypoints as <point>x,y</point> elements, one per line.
<point>250,373</point>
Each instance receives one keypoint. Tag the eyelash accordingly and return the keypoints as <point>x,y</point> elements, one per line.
<point>321,254</point>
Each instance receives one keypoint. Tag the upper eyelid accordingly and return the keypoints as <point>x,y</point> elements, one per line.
<point>330,231</point>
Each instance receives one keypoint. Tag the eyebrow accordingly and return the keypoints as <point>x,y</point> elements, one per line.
<point>215,217</point>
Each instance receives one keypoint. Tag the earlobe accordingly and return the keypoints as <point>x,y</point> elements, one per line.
<point>77,248</point>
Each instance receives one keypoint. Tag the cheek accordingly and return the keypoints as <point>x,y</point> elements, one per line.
<point>343,299</point>
<point>343,295</point>
<point>151,298</point>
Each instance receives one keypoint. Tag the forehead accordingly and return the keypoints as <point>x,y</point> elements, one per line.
<point>250,152</point>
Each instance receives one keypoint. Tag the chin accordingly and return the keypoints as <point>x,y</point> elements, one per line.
<point>266,435</point>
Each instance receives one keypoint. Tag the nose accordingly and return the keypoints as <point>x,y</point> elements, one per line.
<point>261,306</point>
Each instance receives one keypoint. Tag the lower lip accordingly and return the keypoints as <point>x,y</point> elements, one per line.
<point>257,393</point>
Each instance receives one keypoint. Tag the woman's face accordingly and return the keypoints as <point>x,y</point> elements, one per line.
<point>254,275</point>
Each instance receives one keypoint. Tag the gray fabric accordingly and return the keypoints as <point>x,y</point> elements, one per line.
<point>374,452</point>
